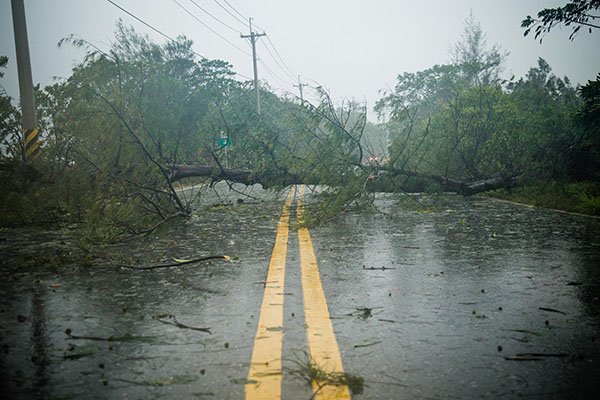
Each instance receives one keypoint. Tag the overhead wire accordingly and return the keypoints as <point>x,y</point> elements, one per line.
<point>230,13</point>
<point>274,75</point>
<point>211,29</point>
<point>281,58</point>
<point>235,10</point>
<point>165,35</point>
<point>215,18</point>
<point>284,67</point>
<point>276,57</point>
<point>278,63</point>
<point>148,25</point>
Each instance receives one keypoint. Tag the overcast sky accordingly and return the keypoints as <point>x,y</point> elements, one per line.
<point>354,48</point>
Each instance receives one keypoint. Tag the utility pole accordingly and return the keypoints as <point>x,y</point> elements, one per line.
<point>300,85</point>
<point>253,37</point>
<point>30,129</point>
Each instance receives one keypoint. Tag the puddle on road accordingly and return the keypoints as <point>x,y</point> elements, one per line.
<point>459,288</point>
<point>423,301</point>
<point>96,331</point>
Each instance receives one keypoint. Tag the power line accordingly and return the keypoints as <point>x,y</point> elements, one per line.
<point>215,18</point>
<point>271,72</point>
<point>287,70</point>
<point>279,55</point>
<point>241,21</point>
<point>283,65</point>
<point>234,9</point>
<point>277,62</point>
<point>274,75</point>
<point>147,24</point>
<point>162,33</point>
<point>210,29</point>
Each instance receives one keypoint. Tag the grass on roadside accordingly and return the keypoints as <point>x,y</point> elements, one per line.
<point>581,197</point>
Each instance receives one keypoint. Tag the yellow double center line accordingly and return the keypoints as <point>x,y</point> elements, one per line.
<point>265,376</point>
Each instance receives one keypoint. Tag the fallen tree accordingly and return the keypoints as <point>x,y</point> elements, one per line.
<point>465,188</point>
<point>246,177</point>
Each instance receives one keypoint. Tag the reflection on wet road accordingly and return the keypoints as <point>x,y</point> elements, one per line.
<point>444,298</point>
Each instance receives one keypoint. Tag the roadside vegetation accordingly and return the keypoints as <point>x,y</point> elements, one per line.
<point>131,122</point>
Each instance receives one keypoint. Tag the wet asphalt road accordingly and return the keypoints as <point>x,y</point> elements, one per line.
<point>428,299</point>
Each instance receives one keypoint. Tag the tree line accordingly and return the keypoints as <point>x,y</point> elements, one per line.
<point>131,121</point>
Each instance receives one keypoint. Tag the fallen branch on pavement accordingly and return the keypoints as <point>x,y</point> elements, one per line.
<point>552,310</point>
<point>177,263</point>
<point>534,356</point>
<point>125,338</point>
<point>179,324</point>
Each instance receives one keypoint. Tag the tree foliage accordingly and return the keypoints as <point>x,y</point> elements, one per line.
<point>131,121</point>
<point>10,117</point>
<point>576,14</point>
<point>461,122</point>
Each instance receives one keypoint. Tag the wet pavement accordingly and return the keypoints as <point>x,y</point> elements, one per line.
<point>441,297</point>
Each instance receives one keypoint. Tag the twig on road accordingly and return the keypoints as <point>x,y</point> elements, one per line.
<point>377,268</point>
<point>179,324</point>
<point>552,310</point>
<point>177,263</point>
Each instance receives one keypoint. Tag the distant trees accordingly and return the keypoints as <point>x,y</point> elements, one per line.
<point>584,159</point>
<point>461,122</point>
<point>576,13</point>
<point>587,160</point>
<point>131,121</point>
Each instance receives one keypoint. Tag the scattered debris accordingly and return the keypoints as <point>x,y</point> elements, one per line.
<point>308,370</point>
<point>275,329</point>
<point>173,380</point>
<point>523,331</point>
<point>77,352</point>
<point>523,358</point>
<point>535,356</point>
<point>552,310</point>
<point>557,355</point>
<point>125,338</point>
<point>366,344</point>
<point>362,313</point>
<point>174,322</point>
<point>177,263</point>
<point>377,268</point>
<point>243,381</point>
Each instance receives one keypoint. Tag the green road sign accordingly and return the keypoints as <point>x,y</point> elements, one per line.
<point>223,142</point>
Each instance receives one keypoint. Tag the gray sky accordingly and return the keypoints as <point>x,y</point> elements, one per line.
<point>354,48</point>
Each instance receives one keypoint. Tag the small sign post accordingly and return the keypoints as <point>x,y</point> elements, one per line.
<point>223,142</point>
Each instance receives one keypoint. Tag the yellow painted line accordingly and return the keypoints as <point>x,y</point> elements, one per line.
<point>322,345</point>
<point>264,378</point>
